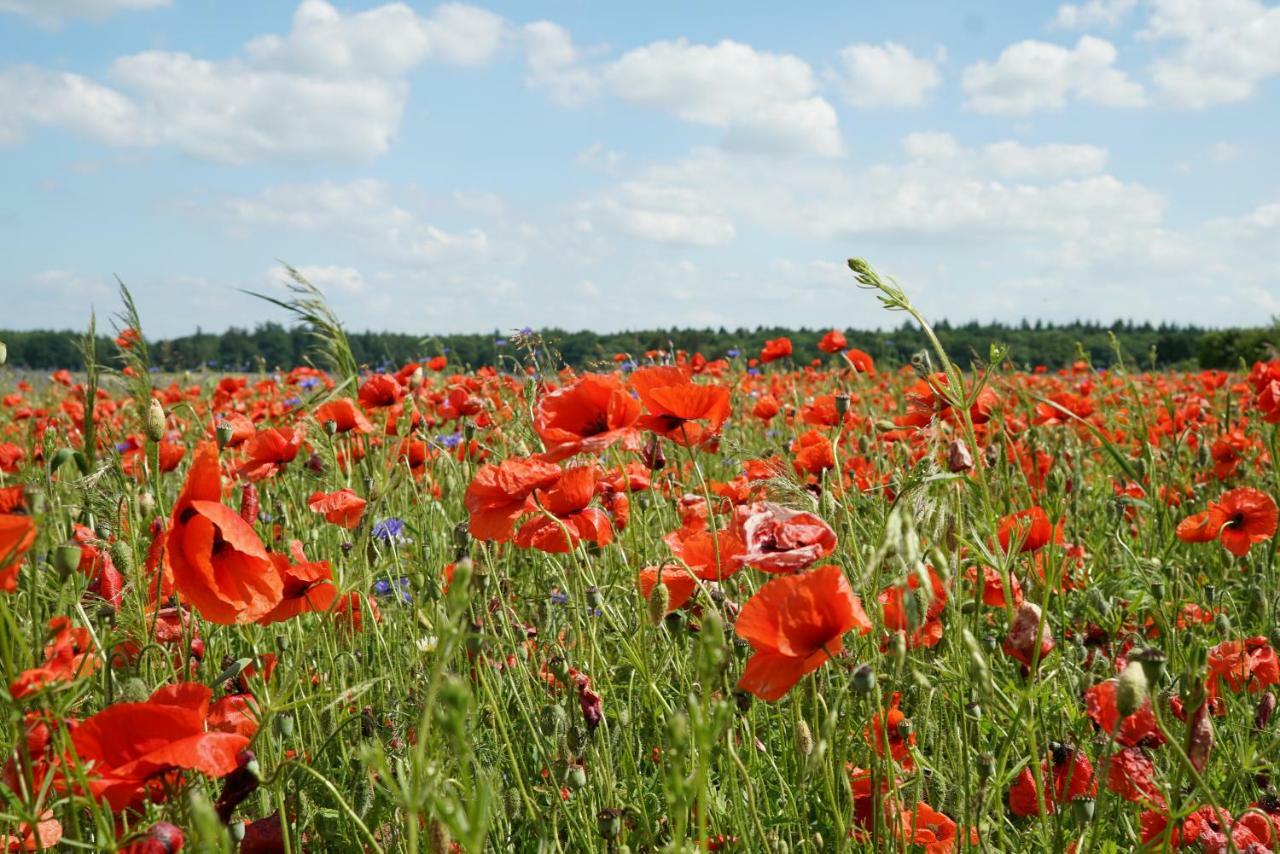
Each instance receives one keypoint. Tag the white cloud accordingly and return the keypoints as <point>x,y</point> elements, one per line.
<point>1030,76</point>
<point>52,13</point>
<point>887,75</point>
<point>359,211</point>
<point>764,100</point>
<point>557,66</point>
<point>1092,14</point>
<point>1224,49</point>
<point>347,280</point>
<point>333,88</point>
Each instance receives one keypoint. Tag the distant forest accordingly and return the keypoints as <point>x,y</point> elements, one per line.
<point>272,345</point>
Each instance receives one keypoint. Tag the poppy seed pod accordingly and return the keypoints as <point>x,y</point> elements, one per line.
<point>155,421</point>
<point>1131,692</point>
<point>1082,809</point>
<point>223,434</point>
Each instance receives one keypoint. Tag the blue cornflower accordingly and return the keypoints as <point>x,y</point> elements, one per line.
<point>733,353</point>
<point>309,383</point>
<point>500,342</point>
<point>449,440</point>
<point>293,401</point>
<point>558,598</point>
<point>390,531</point>
<point>383,588</point>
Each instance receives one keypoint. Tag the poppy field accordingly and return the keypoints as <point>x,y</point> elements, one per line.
<point>781,601</point>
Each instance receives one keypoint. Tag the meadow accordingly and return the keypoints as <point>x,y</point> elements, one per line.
<point>785,601</point>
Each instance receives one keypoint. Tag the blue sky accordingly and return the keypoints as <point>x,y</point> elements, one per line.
<point>453,167</point>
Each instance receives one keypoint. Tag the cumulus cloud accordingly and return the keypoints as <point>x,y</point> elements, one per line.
<point>362,212</point>
<point>1105,14</point>
<point>1223,49</point>
<point>53,13</point>
<point>887,75</point>
<point>1031,76</point>
<point>557,66</point>
<point>333,88</point>
<point>764,101</point>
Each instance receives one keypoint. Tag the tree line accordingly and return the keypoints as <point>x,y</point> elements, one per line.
<point>271,345</point>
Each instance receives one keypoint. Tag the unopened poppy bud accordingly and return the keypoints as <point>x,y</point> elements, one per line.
<point>1222,623</point>
<point>1153,662</point>
<point>1157,590</point>
<point>1082,809</point>
<point>282,643</point>
<point>1210,593</point>
<point>134,690</point>
<point>1200,737</point>
<point>576,777</point>
<point>653,456</point>
<point>1131,692</point>
<point>658,602</point>
<point>1266,708</point>
<point>60,458</point>
<point>609,822</point>
<point>146,503</point>
<point>864,680</point>
<point>236,831</point>
<point>1257,600</point>
<point>958,457</point>
<point>986,766</point>
<point>155,421</point>
<point>4,353</point>
<point>284,725</point>
<point>898,647</point>
<point>594,597</point>
<point>122,557</point>
<point>884,425</point>
<point>804,738</point>
<point>439,840</point>
<point>553,721</point>
<point>223,433</point>
<point>66,559</point>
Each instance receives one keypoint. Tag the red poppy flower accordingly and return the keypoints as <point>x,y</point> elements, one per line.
<point>766,407</point>
<point>774,349</point>
<point>68,655</point>
<point>217,561</point>
<point>1250,663</point>
<point>11,500</point>
<point>779,539</point>
<point>345,416</point>
<point>1137,730</point>
<point>586,417</point>
<point>833,342</point>
<point>270,450</point>
<point>794,624</point>
<point>680,583</point>
<point>343,507</point>
<point>1131,775</point>
<point>500,494</point>
<point>814,453</point>
<point>381,391</point>
<point>241,426</point>
<point>929,831</point>
<point>45,836</point>
<point>128,748</point>
<point>928,632</point>
<point>860,361</point>
<point>675,403</point>
<point>1029,528</point>
<point>10,456</point>
<point>306,586</point>
<point>884,734</point>
<point>712,557</point>
<point>1072,778</point>
<point>1249,517</point>
<point>574,521</point>
<point>17,533</point>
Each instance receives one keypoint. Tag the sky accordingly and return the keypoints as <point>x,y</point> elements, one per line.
<point>462,168</point>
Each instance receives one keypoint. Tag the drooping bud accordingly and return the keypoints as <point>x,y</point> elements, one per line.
<point>864,680</point>
<point>155,421</point>
<point>1266,708</point>
<point>986,766</point>
<point>1131,690</point>
<point>4,354</point>
<point>249,503</point>
<point>958,457</point>
<point>653,456</point>
<point>146,504</point>
<point>1200,737</point>
<point>658,602</point>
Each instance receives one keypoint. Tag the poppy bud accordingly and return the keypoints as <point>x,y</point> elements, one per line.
<point>134,690</point>
<point>155,421</point>
<point>60,458</point>
<point>122,557</point>
<point>653,456</point>
<point>609,822</point>
<point>1257,601</point>
<point>331,427</point>
<point>1131,692</point>
<point>1082,809</point>
<point>146,504</point>
<point>884,425</point>
<point>1266,708</point>
<point>594,597</point>
<point>658,602</point>
<point>898,647</point>
<point>66,559</point>
<point>249,503</point>
<point>958,457</point>
<point>1210,592</point>
<point>4,353</point>
<point>804,738</point>
<point>1200,737</point>
<point>1153,662</point>
<point>1223,624</point>
<point>282,643</point>
<point>864,680</point>
<point>986,766</point>
<point>1157,590</point>
<point>553,721</point>
<point>575,777</point>
<point>284,725</point>
<point>236,831</point>
<point>439,840</point>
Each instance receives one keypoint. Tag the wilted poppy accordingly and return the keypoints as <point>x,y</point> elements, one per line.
<point>794,624</point>
<point>779,539</point>
<point>217,560</point>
